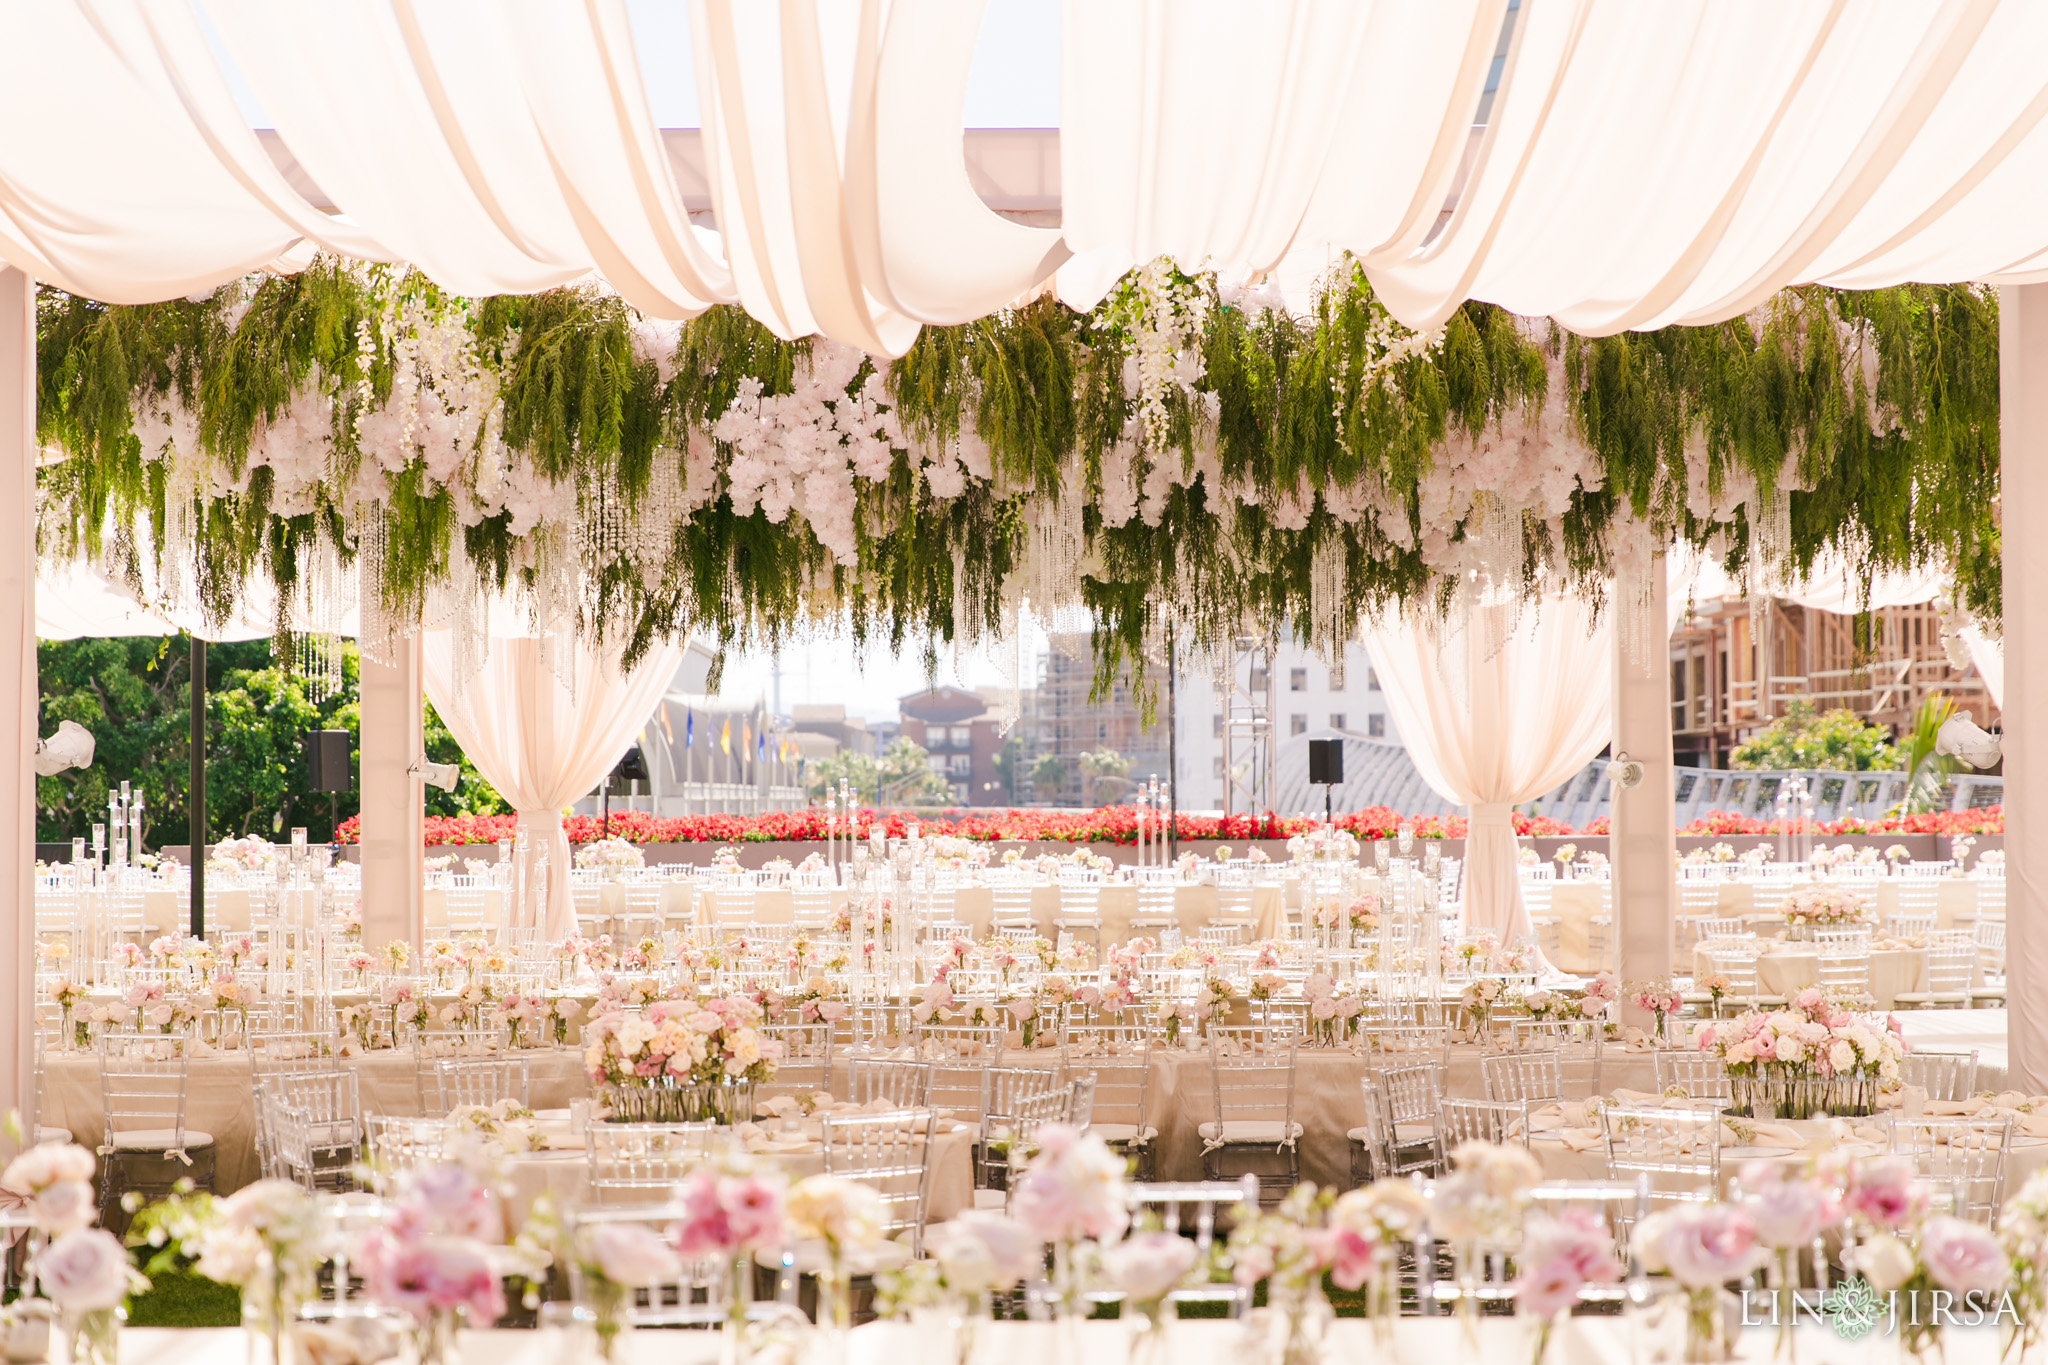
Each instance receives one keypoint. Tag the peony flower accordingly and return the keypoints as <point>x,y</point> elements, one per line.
<point>1962,1257</point>
<point>45,1165</point>
<point>64,1206</point>
<point>983,1250</point>
<point>1885,1191</point>
<point>632,1254</point>
<point>1885,1261</point>
<point>844,1214</point>
<point>1786,1212</point>
<point>1148,1266</point>
<point>84,1271</point>
<point>1074,1188</point>
<point>1560,1256</point>
<point>1701,1246</point>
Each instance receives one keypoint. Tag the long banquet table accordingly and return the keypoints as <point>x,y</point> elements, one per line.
<point>1632,1339</point>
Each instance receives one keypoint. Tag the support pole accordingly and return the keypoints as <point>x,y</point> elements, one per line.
<point>393,800</point>
<point>195,801</point>
<point>2023,502</point>
<point>18,692</point>
<point>1172,753</point>
<point>1642,841</point>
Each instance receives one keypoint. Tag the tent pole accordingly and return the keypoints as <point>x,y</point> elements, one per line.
<point>18,694</point>
<point>196,803</point>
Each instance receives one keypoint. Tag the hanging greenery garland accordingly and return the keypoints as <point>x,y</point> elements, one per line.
<point>1182,455</point>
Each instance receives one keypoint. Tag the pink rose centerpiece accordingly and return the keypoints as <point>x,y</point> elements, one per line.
<point>681,1061</point>
<point>1814,1056</point>
<point>1560,1257</point>
<point>429,1258</point>
<point>1703,1247</point>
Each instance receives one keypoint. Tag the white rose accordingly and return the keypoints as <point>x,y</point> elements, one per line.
<point>1885,1261</point>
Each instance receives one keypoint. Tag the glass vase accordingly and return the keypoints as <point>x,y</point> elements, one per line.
<point>94,1338</point>
<point>1383,1301</point>
<point>732,1346</point>
<point>1304,1321</point>
<point>437,1339</point>
<point>1150,1333</point>
<point>1706,1326</point>
<point>267,1313</point>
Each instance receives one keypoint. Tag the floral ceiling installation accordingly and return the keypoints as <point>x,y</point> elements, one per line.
<point>1182,456</point>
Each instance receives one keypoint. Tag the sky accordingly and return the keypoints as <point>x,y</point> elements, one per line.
<point>826,670</point>
<point>1014,84</point>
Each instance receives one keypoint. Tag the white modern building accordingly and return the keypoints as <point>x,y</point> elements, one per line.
<point>1310,699</point>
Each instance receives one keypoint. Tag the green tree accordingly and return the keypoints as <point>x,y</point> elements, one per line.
<point>134,695</point>
<point>1805,738</point>
<point>1008,760</point>
<point>1103,775</point>
<point>901,776</point>
<point>1048,776</point>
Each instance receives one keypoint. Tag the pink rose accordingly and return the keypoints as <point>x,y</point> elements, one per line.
<point>1786,1213</point>
<point>1962,1257</point>
<point>632,1254</point>
<point>65,1206</point>
<point>1148,1266</point>
<point>1702,1246</point>
<point>433,1274</point>
<point>1885,1191</point>
<point>449,1200</point>
<point>1353,1257</point>
<point>753,1209</point>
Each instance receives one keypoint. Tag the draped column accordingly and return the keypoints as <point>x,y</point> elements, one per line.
<point>18,691</point>
<point>1494,711</point>
<point>1641,838</point>
<point>394,801</point>
<point>2023,473</point>
<point>543,729</point>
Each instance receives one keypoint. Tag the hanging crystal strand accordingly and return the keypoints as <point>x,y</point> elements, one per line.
<point>1329,625</point>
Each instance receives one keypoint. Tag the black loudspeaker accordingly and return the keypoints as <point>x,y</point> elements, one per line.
<point>633,767</point>
<point>1326,761</point>
<point>327,762</point>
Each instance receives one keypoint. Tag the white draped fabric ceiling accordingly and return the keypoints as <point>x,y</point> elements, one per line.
<point>1718,152</point>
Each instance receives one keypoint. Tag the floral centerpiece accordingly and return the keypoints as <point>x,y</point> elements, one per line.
<point>1812,1056</point>
<point>1560,1255</point>
<point>681,1061</point>
<point>1659,999</point>
<point>431,1258</point>
<point>1367,1229</point>
<point>846,1216</point>
<point>1822,905</point>
<point>1702,1247</point>
<point>1333,1014</point>
<point>609,854</point>
<point>973,1255</point>
<point>1073,1196</point>
<point>86,1274</point>
<point>732,1209</point>
<point>267,1240</point>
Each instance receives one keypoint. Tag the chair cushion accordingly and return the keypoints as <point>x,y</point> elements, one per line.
<point>1249,1130</point>
<point>997,1200</point>
<point>1123,1132</point>
<point>160,1139</point>
<point>1363,1135</point>
<point>44,1134</point>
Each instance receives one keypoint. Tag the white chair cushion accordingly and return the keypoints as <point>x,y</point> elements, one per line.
<point>1250,1130</point>
<point>1363,1135</point>
<point>991,1199</point>
<point>1123,1132</point>
<point>160,1139</point>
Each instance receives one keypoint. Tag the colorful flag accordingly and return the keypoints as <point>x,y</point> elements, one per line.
<point>689,727</point>
<point>725,736</point>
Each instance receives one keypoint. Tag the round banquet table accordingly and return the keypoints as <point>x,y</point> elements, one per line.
<point>1785,969</point>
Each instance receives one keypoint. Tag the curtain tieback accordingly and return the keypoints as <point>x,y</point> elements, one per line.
<point>1498,813</point>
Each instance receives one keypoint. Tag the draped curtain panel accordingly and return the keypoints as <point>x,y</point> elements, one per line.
<point>1489,730</point>
<point>540,743</point>
<point>1718,152</point>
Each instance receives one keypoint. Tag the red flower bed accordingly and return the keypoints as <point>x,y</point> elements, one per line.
<point>1983,820</point>
<point>1106,825</point>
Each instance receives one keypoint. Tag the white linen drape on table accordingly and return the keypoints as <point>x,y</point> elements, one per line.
<point>1492,731</point>
<point>540,744</point>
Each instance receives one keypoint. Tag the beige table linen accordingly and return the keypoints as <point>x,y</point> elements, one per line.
<point>220,1100</point>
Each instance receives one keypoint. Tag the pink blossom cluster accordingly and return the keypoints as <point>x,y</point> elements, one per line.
<point>727,1213</point>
